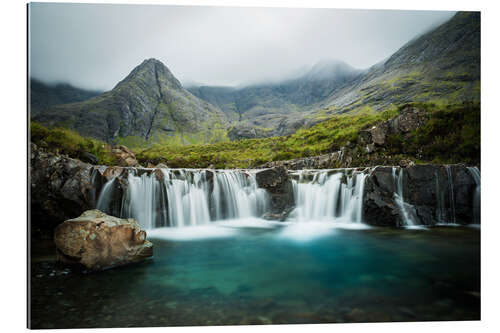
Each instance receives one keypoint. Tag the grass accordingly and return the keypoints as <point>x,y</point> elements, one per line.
<point>319,139</point>
<point>450,135</point>
<point>65,141</point>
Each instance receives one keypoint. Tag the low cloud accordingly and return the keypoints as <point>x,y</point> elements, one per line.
<point>95,46</point>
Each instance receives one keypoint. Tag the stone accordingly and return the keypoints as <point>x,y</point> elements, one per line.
<point>278,185</point>
<point>89,158</point>
<point>379,133</point>
<point>100,241</point>
<point>124,156</point>
<point>161,166</point>
<point>420,193</point>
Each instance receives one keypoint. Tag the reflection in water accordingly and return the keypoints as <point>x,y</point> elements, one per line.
<point>272,273</point>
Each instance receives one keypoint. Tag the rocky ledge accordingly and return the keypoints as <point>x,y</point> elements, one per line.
<point>99,241</point>
<point>432,194</point>
<point>62,188</point>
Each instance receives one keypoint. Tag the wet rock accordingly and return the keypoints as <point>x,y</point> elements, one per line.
<point>278,185</point>
<point>161,166</point>
<point>281,216</point>
<point>99,241</point>
<point>89,158</point>
<point>61,188</point>
<point>427,194</point>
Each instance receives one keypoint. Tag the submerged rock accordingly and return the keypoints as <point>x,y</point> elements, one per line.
<point>99,241</point>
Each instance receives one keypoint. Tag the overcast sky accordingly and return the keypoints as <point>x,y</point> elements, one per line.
<point>95,46</point>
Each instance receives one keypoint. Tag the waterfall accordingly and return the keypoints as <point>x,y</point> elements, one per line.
<point>105,196</point>
<point>329,195</point>
<point>405,208</point>
<point>475,173</point>
<point>236,195</point>
<point>187,197</point>
<point>451,194</point>
<point>141,199</point>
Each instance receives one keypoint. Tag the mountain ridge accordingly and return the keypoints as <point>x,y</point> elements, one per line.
<point>149,104</point>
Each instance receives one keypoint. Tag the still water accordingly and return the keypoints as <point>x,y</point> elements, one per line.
<point>264,273</point>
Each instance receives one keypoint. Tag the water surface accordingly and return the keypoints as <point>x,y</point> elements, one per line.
<point>265,273</point>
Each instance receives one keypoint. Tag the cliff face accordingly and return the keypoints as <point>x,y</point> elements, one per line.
<point>149,104</point>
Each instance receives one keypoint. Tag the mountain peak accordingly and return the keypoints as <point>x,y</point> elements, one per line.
<point>330,68</point>
<point>151,71</point>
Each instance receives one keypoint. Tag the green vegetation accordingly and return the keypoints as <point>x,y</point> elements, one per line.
<point>65,141</point>
<point>451,135</point>
<point>319,139</point>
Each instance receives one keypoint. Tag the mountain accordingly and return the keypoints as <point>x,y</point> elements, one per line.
<point>46,95</point>
<point>150,104</point>
<point>442,66</point>
<point>265,104</point>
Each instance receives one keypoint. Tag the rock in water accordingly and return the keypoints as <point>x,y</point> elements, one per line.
<point>99,241</point>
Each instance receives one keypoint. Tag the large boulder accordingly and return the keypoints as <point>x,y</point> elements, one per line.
<point>99,241</point>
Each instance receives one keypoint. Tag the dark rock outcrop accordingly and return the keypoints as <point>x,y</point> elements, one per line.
<point>432,196</point>
<point>243,131</point>
<point>408,120</point>
<point>60,189</point>
<point>99,241</point>
<point>278,184</point>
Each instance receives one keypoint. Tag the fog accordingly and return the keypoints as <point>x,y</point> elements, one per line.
<point>94,46</point>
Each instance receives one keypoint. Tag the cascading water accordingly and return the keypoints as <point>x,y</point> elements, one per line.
<point>104,201</point>
<point>328,197</point>
<point>476,174</point>
<point>187,197</point>
<point>405,208</point>
<point>451,194</point>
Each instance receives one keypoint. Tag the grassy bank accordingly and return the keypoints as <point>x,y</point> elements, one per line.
<point>64,141</point>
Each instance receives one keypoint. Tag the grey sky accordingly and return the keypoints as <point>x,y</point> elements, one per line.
<point>95,46</point>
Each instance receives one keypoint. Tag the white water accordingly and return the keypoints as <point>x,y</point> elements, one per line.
<point>232,199</point>
<point>105,196</point>
<point>476,174</point>
<point>405,208</point>
<point>183,197</point>
<point>453,219</point>
<point>326,197</point>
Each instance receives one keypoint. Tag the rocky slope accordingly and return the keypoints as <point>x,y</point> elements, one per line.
<point>43,96</point>
<point>260,108</point>
<point>442,66</point>
<point>150,104</point>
